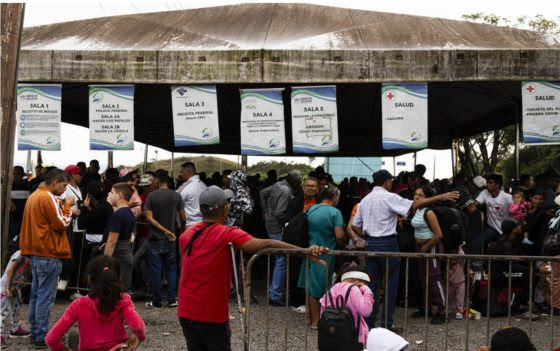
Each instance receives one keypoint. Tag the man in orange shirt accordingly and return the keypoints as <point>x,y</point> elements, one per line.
<point>43,237</point>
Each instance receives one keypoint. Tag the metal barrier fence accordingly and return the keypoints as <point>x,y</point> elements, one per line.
<point>254,327</point>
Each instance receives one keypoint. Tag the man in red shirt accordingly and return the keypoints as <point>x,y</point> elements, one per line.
<point>206,272</point>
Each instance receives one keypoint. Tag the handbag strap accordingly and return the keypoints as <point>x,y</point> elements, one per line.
<point>188,247</point>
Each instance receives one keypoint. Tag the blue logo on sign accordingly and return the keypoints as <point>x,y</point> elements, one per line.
<point>206,133</point>
<point>273,143</point>
<point>326,140</point>
<point>121,139</point>
<point>97,97</point>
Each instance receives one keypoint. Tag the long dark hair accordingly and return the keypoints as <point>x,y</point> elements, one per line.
<point>349,266</point>
<point>104,282</point>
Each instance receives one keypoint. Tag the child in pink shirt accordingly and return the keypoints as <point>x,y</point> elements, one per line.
<point>360,300</point>
<point>100,315</point>
<point>518,210</point>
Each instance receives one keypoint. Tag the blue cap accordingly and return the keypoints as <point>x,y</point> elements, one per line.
<point>381,176</point>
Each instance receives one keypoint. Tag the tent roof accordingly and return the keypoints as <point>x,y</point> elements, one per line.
<point>259,43</point>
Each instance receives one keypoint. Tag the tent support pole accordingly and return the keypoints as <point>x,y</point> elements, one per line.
<point>145,165</point>
<point>517,132</point>
<point>414,159</point>
<point>394,166</point>
<point>244,161</point>
<point>172,164</point>
<point>453,159</point>
<point>110,159</point>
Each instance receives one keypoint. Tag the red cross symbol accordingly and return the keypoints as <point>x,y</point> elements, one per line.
<point>530,89</point>
<point>390,96</point>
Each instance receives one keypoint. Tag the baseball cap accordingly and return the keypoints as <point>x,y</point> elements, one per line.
<point>211,199</point>
<point>381,176</point>
<point>126,170</point>
<point>72,169</point>
<point>146,179</point>
<point>479,181</point>
<point>508,225</point>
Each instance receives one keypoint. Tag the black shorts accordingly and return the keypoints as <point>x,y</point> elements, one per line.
<point>201,336</point>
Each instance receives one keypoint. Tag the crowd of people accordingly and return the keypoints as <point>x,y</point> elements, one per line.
<point>111,237</point>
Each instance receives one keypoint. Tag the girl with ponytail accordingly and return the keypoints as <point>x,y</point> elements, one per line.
<point>100,313</point>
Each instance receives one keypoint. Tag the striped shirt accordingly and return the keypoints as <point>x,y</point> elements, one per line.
<point>377,213</point>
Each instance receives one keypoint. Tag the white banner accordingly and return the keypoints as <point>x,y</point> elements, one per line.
<point>262,122</point>
<point>111,117</point>
<point>195,115</point>
<point>404,111</point>
<point>38,116</point>
<point>541,112</point>
<point>314,120</point>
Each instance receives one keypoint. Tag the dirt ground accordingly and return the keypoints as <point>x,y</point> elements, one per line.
<point>164,331</point>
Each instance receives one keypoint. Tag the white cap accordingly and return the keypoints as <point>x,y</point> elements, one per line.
<point>479,181</point>
<point>381,339</point>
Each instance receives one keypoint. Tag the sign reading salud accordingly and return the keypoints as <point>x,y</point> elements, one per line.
<point>262,122</point>
<point>541,112</point>
<point>404,111</point>
<point>314,120</point>
<point>111,117</point>
<point>195,115</point>
<point>38,116</point>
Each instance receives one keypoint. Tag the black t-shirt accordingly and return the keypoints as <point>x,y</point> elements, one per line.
<point>164,204</point>
<point>121,221</point>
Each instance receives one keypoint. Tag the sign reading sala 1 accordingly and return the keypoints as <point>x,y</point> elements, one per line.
<point>111,117</point>
<point>404,111</point>
<point>38,117</point>
<point>195,115</point>
<point>314,120</point>
<point>541,112</point>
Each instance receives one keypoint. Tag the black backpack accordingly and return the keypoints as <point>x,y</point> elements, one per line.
<point>453,224</point>
<point>296,231</point>
<point>337,329</point>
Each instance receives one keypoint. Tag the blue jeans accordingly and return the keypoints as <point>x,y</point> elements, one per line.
<point>159,253</point>
<point>278,283</point>
<point>376,269</point>
<point>45,273</point>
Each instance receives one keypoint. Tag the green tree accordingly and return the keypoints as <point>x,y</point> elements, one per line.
<point>482,153</point>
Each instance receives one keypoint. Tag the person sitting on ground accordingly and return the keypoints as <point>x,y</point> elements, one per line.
<point>381,339</point>
<point>360,300</point>
<point>518,210</point>
<point>509,339</point>
<point>118,231</point>
<point>100,315</point>
<point>10,290</point>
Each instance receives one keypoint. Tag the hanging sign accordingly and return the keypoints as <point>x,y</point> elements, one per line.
<point>541,112</point>
<point>111,117</point>
<point>38,116</point>
<point>314,120</point>
<point>405,116</point>
<point>262,122</point>
<point>195,115</point>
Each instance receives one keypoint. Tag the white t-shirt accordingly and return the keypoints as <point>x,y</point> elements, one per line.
<point>496,208</point>
<point>72,191</point>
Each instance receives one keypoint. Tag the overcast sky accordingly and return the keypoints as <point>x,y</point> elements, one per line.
<point>75,139</point>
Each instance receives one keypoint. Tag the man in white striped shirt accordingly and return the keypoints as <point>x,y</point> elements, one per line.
<point>377,218</point>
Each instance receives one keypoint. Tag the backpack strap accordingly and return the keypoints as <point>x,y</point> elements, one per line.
<point>348,294</point>
<point>329,297</point>
<point>188,247</point>
<point>426,217</point>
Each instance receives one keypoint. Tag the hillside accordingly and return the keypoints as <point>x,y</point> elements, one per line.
<point>211,164</point>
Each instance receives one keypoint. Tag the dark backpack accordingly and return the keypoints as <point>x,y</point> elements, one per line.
<point>337,329</point>
<point>453,224</point>
<point>296,231</point>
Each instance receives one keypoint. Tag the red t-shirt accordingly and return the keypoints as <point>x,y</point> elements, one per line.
<point>206,273</point>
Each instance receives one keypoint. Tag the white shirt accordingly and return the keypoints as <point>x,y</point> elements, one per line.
<point>72,191</point>
<point>190,192</point>
<point>497,208</point>
<point>377,213</point>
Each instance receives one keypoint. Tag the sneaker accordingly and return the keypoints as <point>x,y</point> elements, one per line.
<point>396,329</point>
<point>40,345</point>
<point>19,333</point>
<point>527,241</point>
<point>173,304</point>
<point>459,316</point>
<point>301,309</point>
<point>152,305</point>
<point>3,342</point>
<point>62,284</point>
<point>439,319</point>
<point>421,313</point>
<point>76,296</point>
<point>276,303</point>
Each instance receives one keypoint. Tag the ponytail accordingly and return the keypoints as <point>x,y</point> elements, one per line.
<point>105,283</point>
